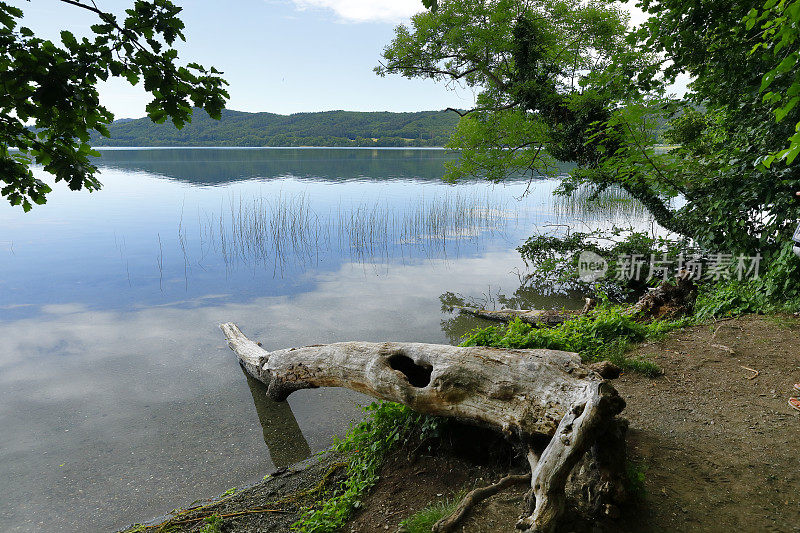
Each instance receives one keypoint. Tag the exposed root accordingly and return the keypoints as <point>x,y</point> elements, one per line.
<point>668,301</point>
<point>474,497</point>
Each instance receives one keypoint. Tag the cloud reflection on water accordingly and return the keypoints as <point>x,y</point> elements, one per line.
<point>147,409</point>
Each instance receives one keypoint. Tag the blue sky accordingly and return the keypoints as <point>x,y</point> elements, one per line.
<point>281,56</point>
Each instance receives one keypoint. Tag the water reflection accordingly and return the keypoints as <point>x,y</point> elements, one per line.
<point>218,166</point>
<point>147,410</point>
<point>282,434</point>
<point>118,396</point>
<point>457,325</point>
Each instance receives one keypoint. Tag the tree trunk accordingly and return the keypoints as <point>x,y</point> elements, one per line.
<point>669,300</point>
<point>527,394</point>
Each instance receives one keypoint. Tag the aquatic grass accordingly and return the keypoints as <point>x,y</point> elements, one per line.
<point>588,204</point>
<point>275,231</point>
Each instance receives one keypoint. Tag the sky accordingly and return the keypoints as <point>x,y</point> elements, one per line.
<point>281,56</point>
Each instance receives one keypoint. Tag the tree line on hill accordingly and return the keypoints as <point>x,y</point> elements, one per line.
<point>328,128</point>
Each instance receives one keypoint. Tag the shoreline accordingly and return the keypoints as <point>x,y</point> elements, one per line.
<point>216,147</point>
<point>272,504</point>
<point>682,437</point>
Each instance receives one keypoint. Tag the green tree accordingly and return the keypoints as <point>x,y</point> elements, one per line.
<point>50,105</point>
<point>566,80</point>
<point>557,80</point>
<point>780,23</point>
<point>734,202</point>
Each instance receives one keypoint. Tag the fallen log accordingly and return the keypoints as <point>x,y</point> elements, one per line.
<point>534,317</point>
<point>667,301</point>
<point>535,396</point>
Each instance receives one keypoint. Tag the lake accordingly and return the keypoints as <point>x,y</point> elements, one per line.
<point>119,398</point>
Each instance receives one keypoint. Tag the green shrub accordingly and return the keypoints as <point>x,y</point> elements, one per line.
<point>776,290</point>
<point>604,334</point>
<point>554,260</point>
<point>635,474</point>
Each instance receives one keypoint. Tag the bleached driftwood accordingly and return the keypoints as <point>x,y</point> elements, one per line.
<point>528,394</point>
<point>534,317</point>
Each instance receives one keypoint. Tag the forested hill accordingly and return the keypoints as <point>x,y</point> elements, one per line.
<point>328,128</point>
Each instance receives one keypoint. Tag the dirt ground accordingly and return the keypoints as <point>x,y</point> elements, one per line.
<point>719,446</point>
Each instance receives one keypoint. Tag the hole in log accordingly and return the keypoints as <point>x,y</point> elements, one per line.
<point>418,375</point>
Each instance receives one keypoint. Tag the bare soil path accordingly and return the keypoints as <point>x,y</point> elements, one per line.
<point>721,447</point>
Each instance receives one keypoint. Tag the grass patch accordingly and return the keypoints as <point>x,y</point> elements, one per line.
<point>635,472</point>
<point>605,334</point>
<point>422,521</point>
<point>212,524</point>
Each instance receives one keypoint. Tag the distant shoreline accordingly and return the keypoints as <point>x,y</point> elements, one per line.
<point>210,147</point>
<point>325,129</point>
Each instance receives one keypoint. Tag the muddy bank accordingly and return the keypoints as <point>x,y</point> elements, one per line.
<point>269,506</point>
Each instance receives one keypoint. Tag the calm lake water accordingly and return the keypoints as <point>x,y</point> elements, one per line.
<point>119,398</point>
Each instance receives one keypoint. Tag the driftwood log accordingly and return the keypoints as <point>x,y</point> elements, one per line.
<point>534,317</point>
<point>667,301</point>
<point>536,396</point>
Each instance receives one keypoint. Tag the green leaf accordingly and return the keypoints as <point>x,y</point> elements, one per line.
<point>781,112</point>
<point>53,85</point>
<point>767,80</point>
<point>787,64</point>
<point>791,154</point>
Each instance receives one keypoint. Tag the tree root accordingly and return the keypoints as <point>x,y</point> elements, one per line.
<point>448,523</point>
<point>668,301</point>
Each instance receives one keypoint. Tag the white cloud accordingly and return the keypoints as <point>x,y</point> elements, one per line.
<point>366,10</point>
